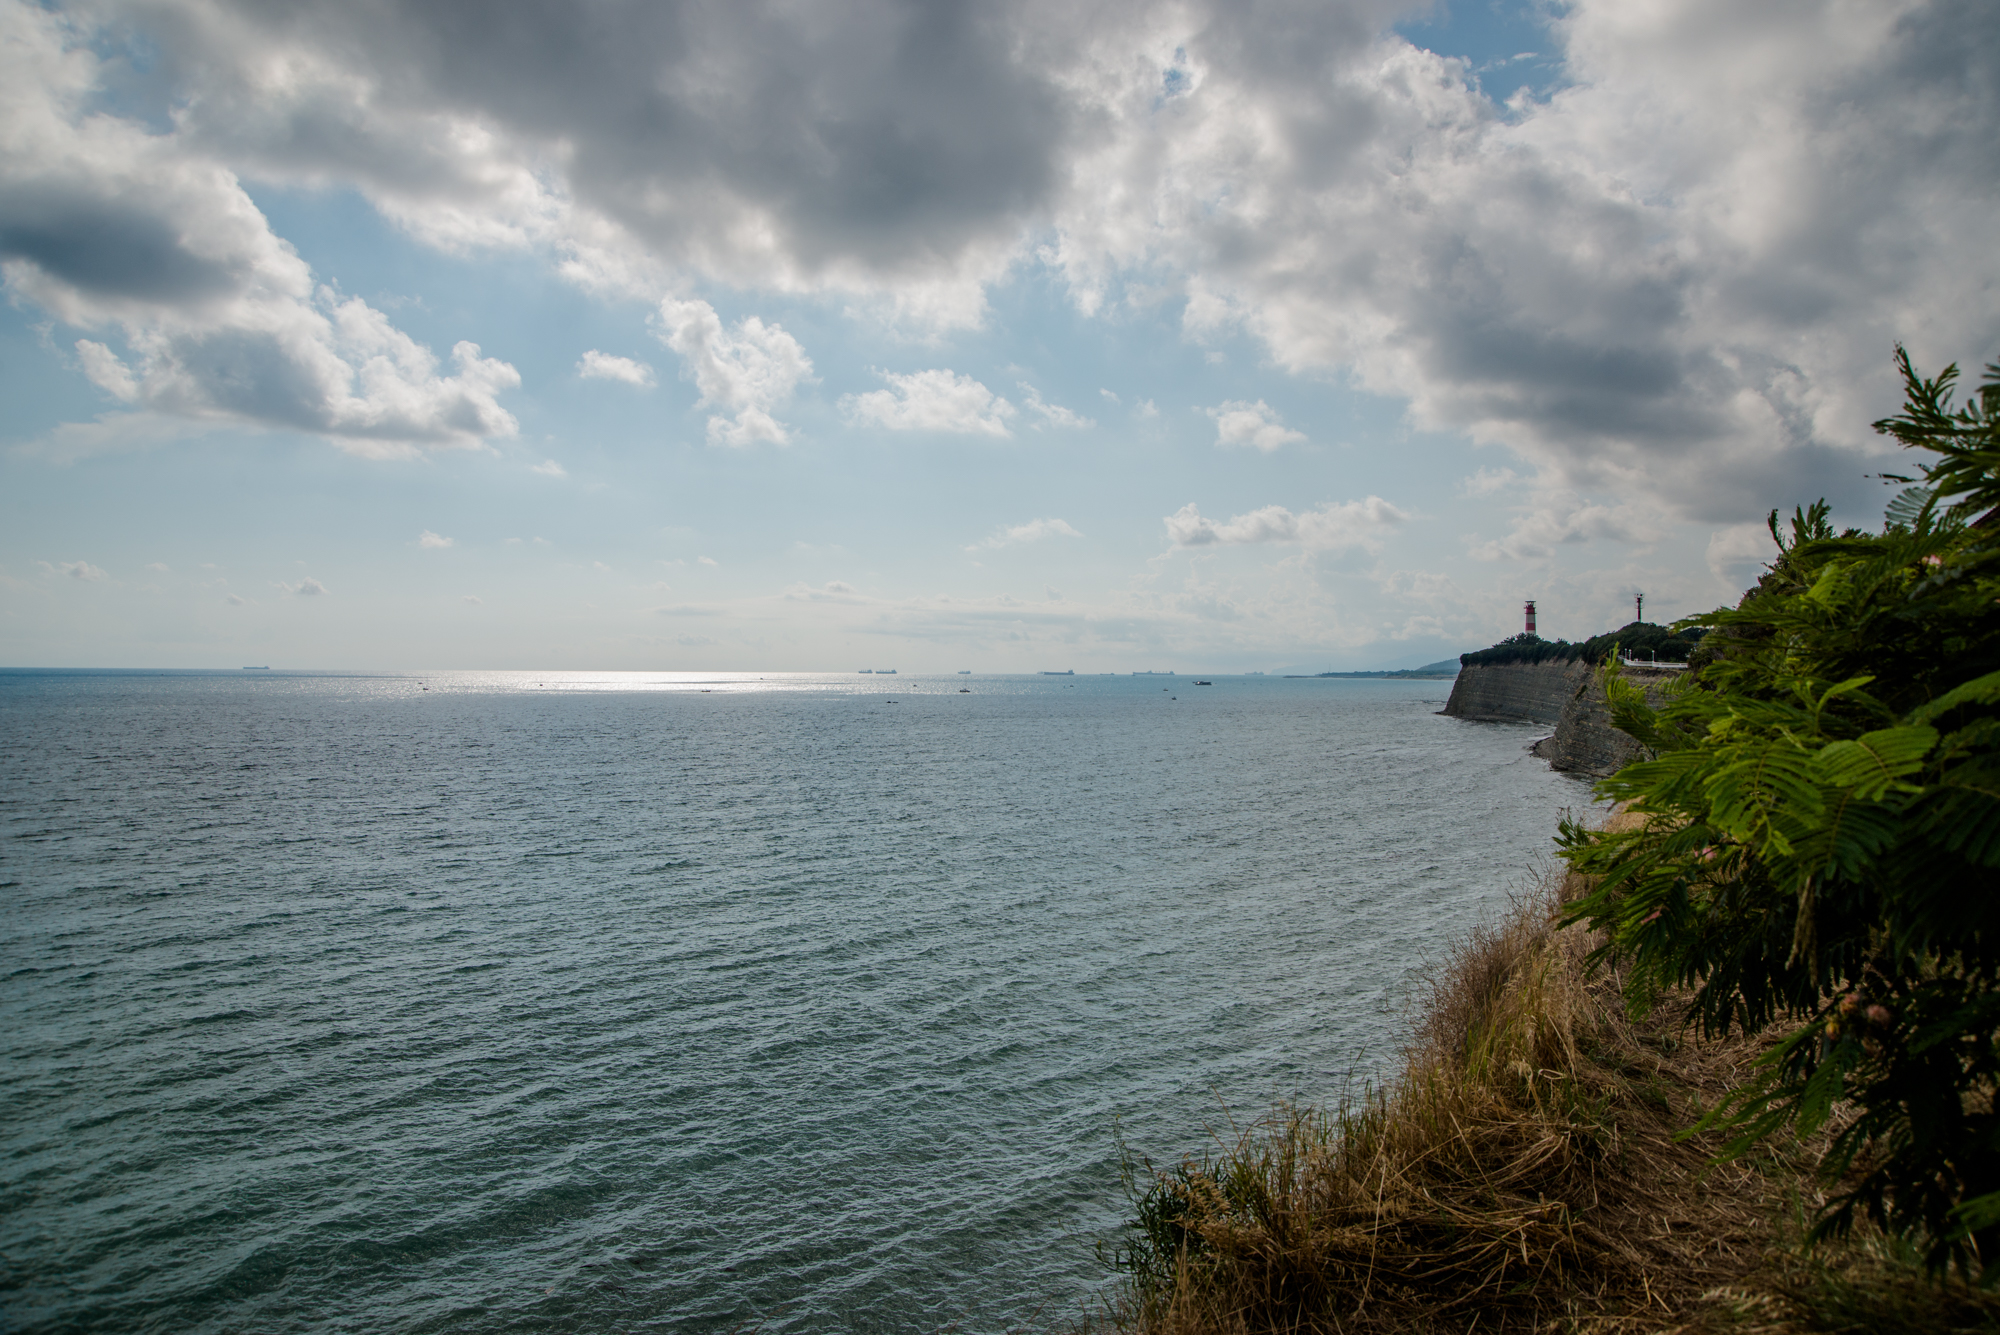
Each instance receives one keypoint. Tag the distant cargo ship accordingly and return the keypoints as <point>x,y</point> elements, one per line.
<point>1152,674</point>
<point>265,668</point>
<point>1070,673</point>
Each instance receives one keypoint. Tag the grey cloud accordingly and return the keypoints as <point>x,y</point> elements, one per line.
<point>880,138</point>
<point>1626,284</point>
<point>1678,277</point>
<point>113,225</point>
<point>106,247</point>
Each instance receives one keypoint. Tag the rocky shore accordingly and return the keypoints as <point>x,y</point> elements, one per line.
<point>1565,695</point>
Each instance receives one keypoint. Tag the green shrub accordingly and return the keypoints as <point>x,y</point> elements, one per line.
<point>1820,842</point>
<point>1641,638</point>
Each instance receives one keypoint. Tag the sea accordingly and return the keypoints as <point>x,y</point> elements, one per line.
<point>613,1002</point>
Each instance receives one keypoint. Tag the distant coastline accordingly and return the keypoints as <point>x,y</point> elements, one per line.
<point>1443,670</point>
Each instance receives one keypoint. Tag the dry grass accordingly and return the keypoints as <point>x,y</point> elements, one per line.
<point>1522,1173</point>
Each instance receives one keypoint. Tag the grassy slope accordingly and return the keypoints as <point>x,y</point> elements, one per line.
<point>1523,1173</point>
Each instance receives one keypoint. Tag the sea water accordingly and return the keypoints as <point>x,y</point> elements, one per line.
<point>648,1001</point>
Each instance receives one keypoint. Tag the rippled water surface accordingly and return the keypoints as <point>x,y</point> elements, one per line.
<point>618,1002</point>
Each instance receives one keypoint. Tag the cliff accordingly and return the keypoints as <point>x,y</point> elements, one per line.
<point>1567,695</point>
<point>1516,692</point>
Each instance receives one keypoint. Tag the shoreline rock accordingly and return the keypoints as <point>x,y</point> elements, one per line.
<point>1567,695</point>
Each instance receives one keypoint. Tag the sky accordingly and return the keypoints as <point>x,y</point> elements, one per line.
<point>1010,337</point>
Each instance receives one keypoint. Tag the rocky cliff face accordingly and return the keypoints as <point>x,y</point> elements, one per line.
<point>1516,692</point>
<point>1567,695</point>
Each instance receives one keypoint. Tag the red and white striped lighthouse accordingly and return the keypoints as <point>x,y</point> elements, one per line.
<point>1531,616</point>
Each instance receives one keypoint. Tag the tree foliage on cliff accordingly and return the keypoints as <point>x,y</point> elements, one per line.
<point>1822,842</point>
<point>1641,638</point>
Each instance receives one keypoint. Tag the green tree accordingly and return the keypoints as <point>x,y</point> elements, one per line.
<point>1821,839</point>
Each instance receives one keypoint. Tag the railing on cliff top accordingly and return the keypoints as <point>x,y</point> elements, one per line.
<point>1629,661</point>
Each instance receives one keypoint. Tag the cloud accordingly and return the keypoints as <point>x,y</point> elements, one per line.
<point>547,468</point>
<point>1054,414</point>
<point>112,227</point>
<point>1618,282</point>
<point>835,591</point>
<point>473,599</point>
<point>831,592</point>
<point>1032,531</point>
<point>1489,480</point>
<point>1555,519</point>
<point>83,570</point>
<point>1330,527</point>
<point>1737,553</point>
<point>429,539</point>
<point>748,371</point>
<point>1670,281</point>
<point>308,587</point>
<point>1255,425</point>
<point>160,566</point>
<point>595,365</point>
<point>931,401</point>
<point>234,601</point>
<point>707,561</point>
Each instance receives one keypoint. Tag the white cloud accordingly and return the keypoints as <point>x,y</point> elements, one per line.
<point>429,539</point>
<point>1146,408</point>
<point>109,225</point>
<point>595,365</point>
<point>1557,518</point>
<point>1032,531</point>
<point>707,561</point>
<point>235,601</point>
<point>1113,398</point>
<point>1666,281</point>
<point>1330,527</point>
<point>834,591</point>
<point>473,599</point>
<point>1054,414</point>
<point>160,566</point>
<point>1489,480</point>
<point>747,371</point>
<point>1735,554</point>
<point>73,569</point>
<point>936,400</point>
<point>1255,425</point>
<point>308,587</point>
<point>105,371</point>
<point>1670,281</point>
<point>547,468</point>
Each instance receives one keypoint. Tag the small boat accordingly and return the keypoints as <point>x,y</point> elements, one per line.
<point>1204,683</point>
<point>965,690</point>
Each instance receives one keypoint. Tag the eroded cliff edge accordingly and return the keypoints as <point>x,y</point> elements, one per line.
<point>1566,695</point>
